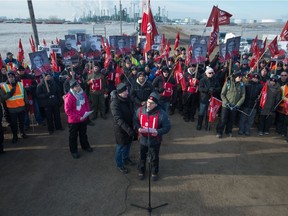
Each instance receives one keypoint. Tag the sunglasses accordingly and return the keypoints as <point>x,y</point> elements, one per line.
<point>211,73</point>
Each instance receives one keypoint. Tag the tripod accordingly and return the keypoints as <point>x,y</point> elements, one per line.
<point>149,208</point>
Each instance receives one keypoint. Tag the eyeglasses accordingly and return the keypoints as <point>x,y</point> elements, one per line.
<point>211,73</point>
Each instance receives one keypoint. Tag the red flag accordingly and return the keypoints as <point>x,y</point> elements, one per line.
<point>32,44</point>
<point>178,73</point>
<point>254,44</point>
<point>165,54</point>
<point>223,17</point>
<point>102,43</point>
<point>214,34</point>
<point>273,48</point>
<point>1,61</point>
<point>213,108</point>
<point>163,43</point>
<point>57,41</point>
<point>263,47</point>
<point>44,42</point>
<point>108,56</point>
<point>54,61</point>
<point>284,33</point>
<point>149,28</point>
<point>176,44</point>
<point>119,72</point>
<point>20,56</point>
<point>263,95</point>
<point>188,56</point>
<point>255,56</point>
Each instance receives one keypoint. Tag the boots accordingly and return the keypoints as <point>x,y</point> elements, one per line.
<point>15,138</point>
<point>200,121</point>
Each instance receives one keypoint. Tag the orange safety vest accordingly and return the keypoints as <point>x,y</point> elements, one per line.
<point>17,100</point>
<point>282,108</point>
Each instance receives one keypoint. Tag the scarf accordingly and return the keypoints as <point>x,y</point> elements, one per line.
<point>80,100</point>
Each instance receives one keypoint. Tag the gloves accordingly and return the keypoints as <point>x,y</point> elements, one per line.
<point>49,93</point>
<point>13,84</point>
<point>235,107</point>
<point>105,95</point>
<point>228,105</point>
<point>161,90</point>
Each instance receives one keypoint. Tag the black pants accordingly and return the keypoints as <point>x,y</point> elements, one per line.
<point>1,130</point>
<point>226,121</point>
<point>16,118</point>
<point>265,122</point>
<point>154,153</point>
<point>190,104</point>
<point>53,117</point>
<point>74,130</point>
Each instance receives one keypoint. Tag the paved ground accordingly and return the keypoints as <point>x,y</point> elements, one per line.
<point>200,175</point>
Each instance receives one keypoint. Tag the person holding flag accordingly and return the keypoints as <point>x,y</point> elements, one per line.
<point>270,99</point>
<point>208,87</point>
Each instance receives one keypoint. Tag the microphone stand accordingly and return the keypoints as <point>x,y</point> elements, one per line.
<point>149,158</point>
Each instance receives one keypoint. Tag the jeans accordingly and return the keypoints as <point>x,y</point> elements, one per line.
<point>165,105</point>
<point>246,122</point>
<point>122,154</point>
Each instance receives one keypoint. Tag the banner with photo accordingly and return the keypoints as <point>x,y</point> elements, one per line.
<point>92,48</point>
<point>40,62</point>
<point>199,52</point>
<point>232,47</point>
<point>69,50</point>
<point>222,53</point>
<point>120,44</point>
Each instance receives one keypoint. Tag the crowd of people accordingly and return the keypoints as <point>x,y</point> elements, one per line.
<point>149,91</point>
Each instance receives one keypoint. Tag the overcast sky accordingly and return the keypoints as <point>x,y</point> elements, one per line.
<point>69,9</point>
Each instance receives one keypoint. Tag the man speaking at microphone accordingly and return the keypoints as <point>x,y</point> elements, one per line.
<point>152,122</point>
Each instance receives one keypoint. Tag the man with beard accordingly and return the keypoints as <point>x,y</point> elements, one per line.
<point>152,123</point>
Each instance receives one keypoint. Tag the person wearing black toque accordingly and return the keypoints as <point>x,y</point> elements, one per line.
<point>152,123</point>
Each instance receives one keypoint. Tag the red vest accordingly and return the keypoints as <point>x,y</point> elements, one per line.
<point>168,89</point>
<point>96,85</point>
<point>26,82</point>
<point>193,85</point>
<point>152,122</point>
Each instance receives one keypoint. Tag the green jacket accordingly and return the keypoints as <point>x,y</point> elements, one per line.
<point>233,93</point>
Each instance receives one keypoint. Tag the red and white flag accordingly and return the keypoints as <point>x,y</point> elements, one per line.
<point>177,40</point>
<point>223,17</point>
<point>263,95</point>
<point>273,47</point>
<point>213,108</point>
<point>163,43</point>
<point>214,34</point>
<point>57,41</point>
<point>254,44</point>
<point>119,72</point>
<point>149,28</point>
<point>178,75</point>
<point>284,33</point>
<point>188,59</point>
<point>20,56</point>
<point>32,44</point>
<point>54,65</point>
<point>1,61</point>
<point>263,47</point>
<point>165,54</point>
<point>108,56</point>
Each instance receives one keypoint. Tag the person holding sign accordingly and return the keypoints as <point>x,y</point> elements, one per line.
<point>77,109</point>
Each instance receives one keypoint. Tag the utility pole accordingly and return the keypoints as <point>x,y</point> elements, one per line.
<point>33,21</point>
<point>120,18</point>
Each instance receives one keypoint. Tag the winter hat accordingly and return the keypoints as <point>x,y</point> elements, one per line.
<point>274,78</point>
<point>21,68</point>
<point>154,96</point>
<point>237,74</point>
<point>9,54</point>
<point>121,87</point>
<point>73,83</point>
<point>255,75</point>
<point>245,61</point>
<point>140,73</point>
<point>209,70</point>
<point>11,74</point>
<point>165,69</point>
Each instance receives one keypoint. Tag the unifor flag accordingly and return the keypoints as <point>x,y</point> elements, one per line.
<point>213,108</point>
<point>254,44</point>
<point>149,28</point>
<point>165,54</point>
<point>20,56</point>
<point>163,43</point>
<point>119,72</point>
<point>284,33</point>
<point>255,56</point>
<point>223,17</point>
<point>177,40</point>
<point>178,75</point>
<point>188,59</point>
<point>1,61</point>
<point>273,48</point>
<point>214,34</point>
<point>54,64</point>
<point>108,56</point>
<point>32,44</point>
<point>263,47</point>
<point>263,95</point>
